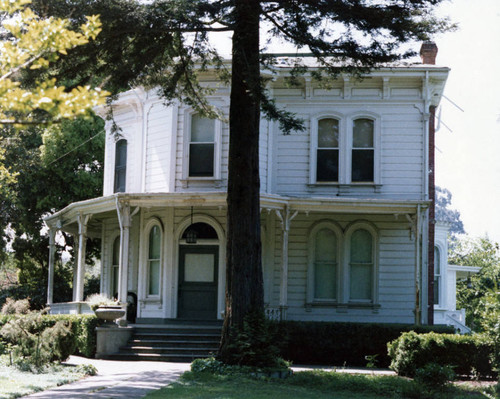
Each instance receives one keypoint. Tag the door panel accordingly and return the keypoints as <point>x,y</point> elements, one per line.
<point>198,277</point>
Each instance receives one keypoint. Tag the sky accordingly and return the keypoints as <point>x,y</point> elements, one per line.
<point>468,141</point>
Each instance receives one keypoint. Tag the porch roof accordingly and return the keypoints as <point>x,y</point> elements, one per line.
<point>105,207</point>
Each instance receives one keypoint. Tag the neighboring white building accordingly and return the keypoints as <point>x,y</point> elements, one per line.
<point>345,203</point>
<point>445,283</point>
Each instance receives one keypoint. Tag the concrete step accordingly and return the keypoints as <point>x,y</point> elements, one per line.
<point>180,358</point>
<point>167,350</point>
<point>176,343</point>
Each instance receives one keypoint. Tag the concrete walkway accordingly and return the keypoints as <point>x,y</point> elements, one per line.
<point>117,379</point>
<point>132,380</point>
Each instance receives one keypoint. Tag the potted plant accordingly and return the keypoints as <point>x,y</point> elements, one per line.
<point>105,308</point>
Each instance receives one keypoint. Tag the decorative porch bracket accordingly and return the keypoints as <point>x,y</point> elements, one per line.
<point>285,218</point>
<point>82,243</point>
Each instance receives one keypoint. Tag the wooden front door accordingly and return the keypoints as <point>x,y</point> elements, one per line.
<point>198,276</point>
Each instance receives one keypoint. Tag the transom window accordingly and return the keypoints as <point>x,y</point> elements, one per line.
<point>120,166</point>
<point>201,147</point>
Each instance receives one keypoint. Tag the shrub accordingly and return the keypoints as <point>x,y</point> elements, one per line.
<point>434,376</point>
<point>12,306</point>
<point>34,343</point>
<point>335,343</point>
<point>466,354</point>
<point>96,300</point>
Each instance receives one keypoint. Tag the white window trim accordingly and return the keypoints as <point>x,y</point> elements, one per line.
<point>330,225</point>
<point>360,225</point>
<point>346,124</point>
<point>187,141</point>
<point>376,147</point>
<point>441,293</point>
<point>314,146</point>
<point>153,221</point>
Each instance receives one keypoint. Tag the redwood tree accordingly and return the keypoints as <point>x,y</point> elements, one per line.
<point>165,43</point>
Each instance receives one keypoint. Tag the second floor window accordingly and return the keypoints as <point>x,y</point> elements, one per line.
<point>201,147</point>
<point>120,166</point>
<point>327,167</point>
<point>362,151</point>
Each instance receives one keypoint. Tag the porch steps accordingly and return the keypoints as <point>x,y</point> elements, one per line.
<point>170,343</point>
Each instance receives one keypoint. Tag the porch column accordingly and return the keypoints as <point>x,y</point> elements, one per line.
<point>124,219</point>
<point>80,268</point>
<point>52,247</point>
<point>285,219</point>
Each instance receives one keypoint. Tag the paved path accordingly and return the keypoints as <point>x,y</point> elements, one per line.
<point>117,379</point>
<point>132,380</point>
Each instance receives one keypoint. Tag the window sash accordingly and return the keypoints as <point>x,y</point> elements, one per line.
<point>361,279</point>
<point>154,277</point>
<point>327,165</point>
<point>325,280</point>
<point>362,165</point>
<point>201,159</point>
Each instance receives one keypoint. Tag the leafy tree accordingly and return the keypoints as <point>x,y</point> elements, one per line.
<point>54,166</point>
<point>166,44</point>
<point>479,294</point>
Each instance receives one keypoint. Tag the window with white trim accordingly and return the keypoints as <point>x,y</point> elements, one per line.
<point>120,166</point>
<point>325,265</point>
<point>202,147</point>
<point>437,276</point>
<point>154,260</point>
<point>361,266</point>
<point>363,151</point>
<point>115,267</point>
<point>327,153</point>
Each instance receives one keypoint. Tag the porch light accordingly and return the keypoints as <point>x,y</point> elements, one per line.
<point>191,234</point>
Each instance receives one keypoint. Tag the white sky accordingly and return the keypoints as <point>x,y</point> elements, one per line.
<point>468,156</point>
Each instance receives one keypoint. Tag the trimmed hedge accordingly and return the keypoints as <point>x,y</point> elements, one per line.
<point>339,344</point>
<point>81,341</point>
<point>468,355</point>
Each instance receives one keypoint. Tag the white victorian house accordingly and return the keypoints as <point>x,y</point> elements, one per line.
<point>347,221</point>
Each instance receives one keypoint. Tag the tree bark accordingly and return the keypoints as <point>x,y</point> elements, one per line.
<point>244,284</point>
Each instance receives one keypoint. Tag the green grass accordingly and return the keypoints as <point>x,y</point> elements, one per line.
<point>305,385</point>
<point>15,383</point>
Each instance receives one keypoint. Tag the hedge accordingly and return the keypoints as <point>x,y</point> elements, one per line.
<point>341,344</point>
<point>82,340</point>
<point>468,355</point>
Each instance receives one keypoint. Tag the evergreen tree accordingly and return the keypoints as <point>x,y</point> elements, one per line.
<point>166,44</point>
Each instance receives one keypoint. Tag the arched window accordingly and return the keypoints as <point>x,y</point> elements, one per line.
<point>327,153</point>
<point>202,147</point>
<point>437,276</point>
<point>154,260</point>
<point>120,166</point>
<point>325,265</point>
<point>115,267</point>
<point>361,266</point>
<point>363,151</point>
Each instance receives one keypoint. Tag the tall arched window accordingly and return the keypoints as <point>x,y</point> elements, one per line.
<point>120,166</point>
<point>325,265</point>
<point>327,156</point>
<point>361,265</point>
<point>363,151</point>
<point>437,276</point>
<point>154,260</point>
<point>115,267</point>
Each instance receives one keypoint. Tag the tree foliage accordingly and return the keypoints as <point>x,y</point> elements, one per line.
<point>33,43</point>
<point>445,214</point>
<point>479,295</point>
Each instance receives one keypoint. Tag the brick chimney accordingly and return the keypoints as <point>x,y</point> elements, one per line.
<point>428,52</point>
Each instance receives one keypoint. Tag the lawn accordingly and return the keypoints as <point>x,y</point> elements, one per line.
<point>15,383</point>
<point>307,385</point>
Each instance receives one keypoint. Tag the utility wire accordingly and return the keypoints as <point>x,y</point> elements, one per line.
<point>78,146</point>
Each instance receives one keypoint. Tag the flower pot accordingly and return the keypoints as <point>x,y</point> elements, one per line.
<point>109,313</point>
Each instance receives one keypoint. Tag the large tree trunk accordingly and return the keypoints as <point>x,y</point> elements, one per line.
<point>244,286</point>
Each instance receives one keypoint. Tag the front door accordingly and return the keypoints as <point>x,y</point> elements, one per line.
<point>198,277</point>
